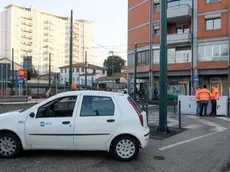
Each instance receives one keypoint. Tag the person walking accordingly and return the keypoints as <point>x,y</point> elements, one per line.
<point>215,97</point>
<point>204,95</point>
<point>197,101</point>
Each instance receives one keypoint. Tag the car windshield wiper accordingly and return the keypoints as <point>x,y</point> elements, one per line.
<point>23,110</point>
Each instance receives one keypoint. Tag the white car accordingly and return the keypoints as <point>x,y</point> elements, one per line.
<point>77,120</point>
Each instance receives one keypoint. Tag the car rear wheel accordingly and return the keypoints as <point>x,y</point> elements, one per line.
<point>125,148</point>
<point>10,145</point>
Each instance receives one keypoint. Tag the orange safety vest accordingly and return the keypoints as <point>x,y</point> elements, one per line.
<point>197,92</point>
<point>215,93</point>
<point>204,94</point>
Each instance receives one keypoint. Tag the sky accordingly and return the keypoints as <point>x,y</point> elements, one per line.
<point>109,21</point>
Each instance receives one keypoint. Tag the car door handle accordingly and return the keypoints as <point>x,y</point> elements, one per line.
<point>66,122</point>
<point>110,120</point>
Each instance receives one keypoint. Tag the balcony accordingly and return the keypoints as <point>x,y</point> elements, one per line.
<point>27,36</point>
<point>27,30</point>
<point>27,23</point>
<point>26,49</point>
<point>181,38</point>
<point>179,14</point>
<point>27,17</point>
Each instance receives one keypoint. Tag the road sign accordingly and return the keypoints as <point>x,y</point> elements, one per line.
<point>196,78</point>
<point>20,81</point>
<point>21,73</point>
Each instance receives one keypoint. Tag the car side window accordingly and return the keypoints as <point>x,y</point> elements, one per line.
<point>58,108</point>
<point>97,106</point>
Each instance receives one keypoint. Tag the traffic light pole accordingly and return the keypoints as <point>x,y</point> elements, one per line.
<point>163,69</point>
<point>49,70</point>
<point>135,73</point>
<point>85,69</point>
<point>12,70</point>
<point>71,52</point>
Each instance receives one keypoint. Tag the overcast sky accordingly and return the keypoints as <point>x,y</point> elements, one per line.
<point>109,17</point>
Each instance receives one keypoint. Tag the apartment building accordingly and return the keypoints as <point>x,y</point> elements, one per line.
<point>31,32</point>
<point>197,40</point>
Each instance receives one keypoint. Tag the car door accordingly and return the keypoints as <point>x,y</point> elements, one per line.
<point>52,124</point>
<point>98,119</point>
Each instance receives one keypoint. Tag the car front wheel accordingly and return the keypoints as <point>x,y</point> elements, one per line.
<point>125,148</point>
<point>10,145</point>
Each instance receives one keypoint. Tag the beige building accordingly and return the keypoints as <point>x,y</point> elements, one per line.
<point>34,33</point>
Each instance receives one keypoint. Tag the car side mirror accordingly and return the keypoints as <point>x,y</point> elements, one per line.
<point>32,115</point>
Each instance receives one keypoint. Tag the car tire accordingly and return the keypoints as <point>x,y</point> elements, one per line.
<point>10,145</point>
<point>125,148</point>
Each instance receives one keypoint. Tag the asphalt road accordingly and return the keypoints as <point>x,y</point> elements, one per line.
<point>207,154</point>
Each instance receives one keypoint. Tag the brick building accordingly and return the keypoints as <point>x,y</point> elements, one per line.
<point>198,43</point>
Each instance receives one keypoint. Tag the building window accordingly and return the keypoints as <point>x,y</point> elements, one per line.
<point>143,58</point>
<point>156,32</point>
<point>103,71</point>
<point>94,70</point>
<point>215,52</point>
<point>65,70</point>
<point>156,56</point>
<point>77,70</point>
<point>171,55</point>
<point>212,1</point>
<point>82,69</point>
<point>157,7</point>
<point>213,24</point>
<point>182,29</point>
<point>183,54</point>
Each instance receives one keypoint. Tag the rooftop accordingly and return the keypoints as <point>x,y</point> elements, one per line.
<point>91,66</point>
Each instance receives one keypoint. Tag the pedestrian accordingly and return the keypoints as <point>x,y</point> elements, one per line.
<point>204,95</point>
<point>215,98</point>
<point>197,101</point>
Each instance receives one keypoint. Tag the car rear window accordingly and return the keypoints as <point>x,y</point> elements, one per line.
<point>135,104</point>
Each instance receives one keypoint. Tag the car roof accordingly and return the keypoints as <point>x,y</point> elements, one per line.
<point>90,92</point>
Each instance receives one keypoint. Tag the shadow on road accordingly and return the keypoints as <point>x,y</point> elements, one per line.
<point>65,154</point>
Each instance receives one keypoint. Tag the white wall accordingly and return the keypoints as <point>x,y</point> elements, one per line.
<point>77,75</point>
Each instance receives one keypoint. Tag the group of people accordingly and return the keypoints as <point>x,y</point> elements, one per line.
<point>203,96</point>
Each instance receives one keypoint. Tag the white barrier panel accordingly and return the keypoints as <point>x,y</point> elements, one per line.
<point>188,105</point>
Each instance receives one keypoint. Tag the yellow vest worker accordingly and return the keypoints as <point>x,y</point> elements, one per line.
<point>215,97</point>
<point>204,95</point>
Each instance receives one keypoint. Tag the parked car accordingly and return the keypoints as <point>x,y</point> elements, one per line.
<point>124,91</point>
<point>77,120</point>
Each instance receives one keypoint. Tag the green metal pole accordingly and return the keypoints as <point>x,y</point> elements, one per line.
<point>163,69</point>
<point>49,70</point>
<point>71,52</point>
<point>135,73</point>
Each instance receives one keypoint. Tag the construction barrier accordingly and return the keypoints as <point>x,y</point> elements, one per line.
<point>189,104</point>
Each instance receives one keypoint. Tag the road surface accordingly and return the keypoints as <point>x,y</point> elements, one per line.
<point>203,147</point>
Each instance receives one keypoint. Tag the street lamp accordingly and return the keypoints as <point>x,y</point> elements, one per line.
<point>112,53</point>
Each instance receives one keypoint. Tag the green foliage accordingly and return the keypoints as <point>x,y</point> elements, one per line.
<point>115,62</point>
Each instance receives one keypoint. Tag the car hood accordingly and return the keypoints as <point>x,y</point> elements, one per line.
<point>12,114</point>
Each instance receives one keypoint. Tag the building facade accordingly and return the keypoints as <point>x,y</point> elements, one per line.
<point>31,32</point>
<point>197,40</point>
<point>93,73</point>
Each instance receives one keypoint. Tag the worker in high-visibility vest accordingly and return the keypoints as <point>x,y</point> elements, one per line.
<point>197,101</point>
<point>215,97</point>
<point>204,95</point>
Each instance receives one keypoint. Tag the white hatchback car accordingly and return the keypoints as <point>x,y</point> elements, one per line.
<point>77,120</point>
